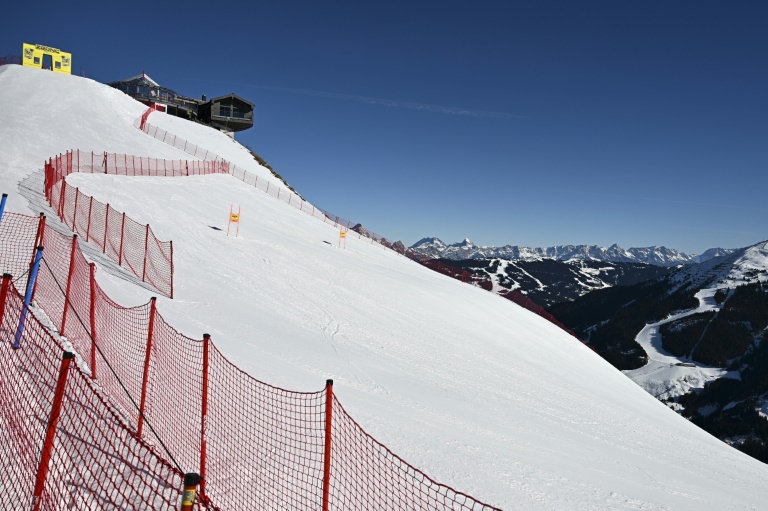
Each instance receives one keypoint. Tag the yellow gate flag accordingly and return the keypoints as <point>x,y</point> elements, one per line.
<point>234,217</point>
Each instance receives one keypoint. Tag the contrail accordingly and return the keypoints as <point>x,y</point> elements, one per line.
<point>422,107</point>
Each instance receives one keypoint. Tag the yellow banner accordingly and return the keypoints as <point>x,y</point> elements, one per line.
<point>45,57</point>
<point>234,217</point>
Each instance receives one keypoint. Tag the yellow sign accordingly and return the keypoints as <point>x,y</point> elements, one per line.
<point>45,57</point>
<point>234,217</point>
<point>343,234</point>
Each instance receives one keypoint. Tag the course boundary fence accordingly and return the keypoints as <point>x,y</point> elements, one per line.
<point>132,245</point>
<point>339,222</point>
<point>255,445</point>
<point>62,443</point>
<point>10,59</point>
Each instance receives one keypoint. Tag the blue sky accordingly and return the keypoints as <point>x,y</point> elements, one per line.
<point>532,123</point>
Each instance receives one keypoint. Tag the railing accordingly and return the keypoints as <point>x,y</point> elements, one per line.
<point>10,59</point>
<point>256,446</point>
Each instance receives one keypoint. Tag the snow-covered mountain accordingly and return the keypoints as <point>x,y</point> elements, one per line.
<point>696,339</point>
<point>660,256</point>
<point>479,393</point>
<point>549,281</point>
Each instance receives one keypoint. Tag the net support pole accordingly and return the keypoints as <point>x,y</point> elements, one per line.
<point>50,433</point>
<point>69,284</point>
<point>204,415</point>
<point>2,205</point>
<point>122,235</point>
<point>191,480</point>
<point>145,377</point>
<point>92,281</point>
<point>146,254</point>
<point>38,242</point>
<point>170,244</point>
<point>106,228</point>
<point>27,298</point>
<point>327,450</point>
<point>4,293</point>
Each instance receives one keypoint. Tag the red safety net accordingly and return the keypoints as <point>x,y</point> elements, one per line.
<point>130,244</point>
<point>365,474</point>
<point>18,235</point>
<point>10,59</point>
<point>256,446</point>
<point>88,459</point>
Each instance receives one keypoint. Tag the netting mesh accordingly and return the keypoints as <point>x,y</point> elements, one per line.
<point>264,444</point>
<point>17,243</point>
<point>366,475</point>
<point>258,446</point>
<point>130,244</point>
<point>94,461</point>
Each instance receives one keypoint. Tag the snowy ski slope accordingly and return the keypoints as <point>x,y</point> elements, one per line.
<point>479,393</point>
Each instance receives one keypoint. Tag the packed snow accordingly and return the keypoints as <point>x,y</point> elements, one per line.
<point>479,393</point>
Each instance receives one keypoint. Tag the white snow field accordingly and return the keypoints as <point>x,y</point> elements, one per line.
<point>479,393</point>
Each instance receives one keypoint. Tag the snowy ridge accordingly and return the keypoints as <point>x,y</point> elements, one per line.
<point>478,393</point>
<point>661,256</point>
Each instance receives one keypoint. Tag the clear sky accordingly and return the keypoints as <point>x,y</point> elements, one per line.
<point>507,122</point>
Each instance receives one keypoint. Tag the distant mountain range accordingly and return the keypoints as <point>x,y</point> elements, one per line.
<point>659,256</point>
<point>707,327</point>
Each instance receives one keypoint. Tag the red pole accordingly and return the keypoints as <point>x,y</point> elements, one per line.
<point>106,230</point>
<point>93,319</point>
<point>53,419</point>
<point>146,254</point>
<point>171,243</point>
<point>204,416</point>
<point>88,229</point>
<point>146,365</point>
<point>62,196</point>
<point>4,293</point>
<point>38,242</point>
<point>74,215</point>
<point>122,234</point>
<point>327,452</point>
<point>69,284</point>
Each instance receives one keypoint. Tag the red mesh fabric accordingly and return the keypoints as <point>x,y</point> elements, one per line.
<point>178,359</point>
<point>121,334</point>
<point>367,475</point>
<point>95,462</point>
<point>17,243</point>
<point>264,444</point>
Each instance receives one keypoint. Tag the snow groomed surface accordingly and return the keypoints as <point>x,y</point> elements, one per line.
<point>479,393</point>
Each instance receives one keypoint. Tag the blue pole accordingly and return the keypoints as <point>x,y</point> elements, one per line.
<point>2,205</point>
<point>28,298</point>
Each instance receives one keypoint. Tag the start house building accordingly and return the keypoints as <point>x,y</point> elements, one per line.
<point>229,113</point>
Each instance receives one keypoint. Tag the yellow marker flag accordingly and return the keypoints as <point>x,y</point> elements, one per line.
<point>234,217</point>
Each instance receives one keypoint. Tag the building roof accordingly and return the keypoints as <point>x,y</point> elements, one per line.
<point>143,77</point>
<point>231,95</point>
